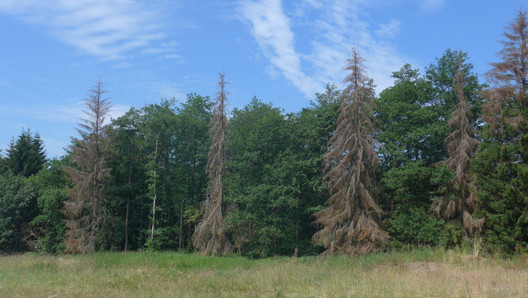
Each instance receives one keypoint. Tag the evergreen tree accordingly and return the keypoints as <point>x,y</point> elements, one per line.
<point>460,201</point>
<point>501,163</point>
<point>349,222</point>
<point>26,156</point>
<point>4,163</point>
<point>87,208</point>
<point>209,236</point>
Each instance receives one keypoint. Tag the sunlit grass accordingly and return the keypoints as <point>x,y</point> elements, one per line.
<point>422,273</point>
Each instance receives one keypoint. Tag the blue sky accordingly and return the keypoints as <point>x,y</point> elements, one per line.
<point>54,51</point>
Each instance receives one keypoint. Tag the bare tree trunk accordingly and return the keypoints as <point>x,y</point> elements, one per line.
<point>155,191</point>
<point>128,203</point>
<point>182,205</point>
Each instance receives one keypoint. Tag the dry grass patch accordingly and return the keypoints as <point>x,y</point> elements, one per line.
<point>421,274</point>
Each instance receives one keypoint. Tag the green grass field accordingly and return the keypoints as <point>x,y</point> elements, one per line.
<point>424,273</point>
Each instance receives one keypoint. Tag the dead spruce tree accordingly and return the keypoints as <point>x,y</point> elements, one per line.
<point>209,237</point>
<point>86,210</point>
<point>349,221</point>
<point>460,201</point>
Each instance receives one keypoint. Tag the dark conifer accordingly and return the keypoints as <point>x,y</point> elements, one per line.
<point>501,163</point>
<point>26,155</point>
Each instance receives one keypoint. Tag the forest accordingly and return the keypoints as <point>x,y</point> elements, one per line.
<point>438,159</point>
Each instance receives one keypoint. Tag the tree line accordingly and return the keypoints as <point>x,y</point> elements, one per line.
<point>436,159</point>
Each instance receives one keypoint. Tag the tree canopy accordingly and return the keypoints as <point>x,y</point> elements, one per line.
<point>437,158</point>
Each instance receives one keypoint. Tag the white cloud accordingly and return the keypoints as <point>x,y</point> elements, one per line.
<point>123,65</point>
<point>54,147</point>
<point>431,5</point>
<point>66,115</point>
<point>164,89</point>
<point>171,56</point>
<point>59,113</point>
<point>166,48</point>
<point>389,30</point>
<point>271,29</point>
<point>118,111</point>
<point>104,28</point>
<point>343,27</point>
<point>334,26</point>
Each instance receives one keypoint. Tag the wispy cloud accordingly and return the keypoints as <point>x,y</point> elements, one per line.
<point>67,116</point>
<point>334,26</point>
<point>164,89</point>
<point>58,113</point>
<point>389,30</point>
<point>271,29</point>
<point>431,5</point>
<point>166,50</point>
<point>104,28</point>
<point>341,27</point>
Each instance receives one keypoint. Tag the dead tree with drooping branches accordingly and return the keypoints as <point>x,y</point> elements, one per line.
<point>86,210</point>
<point>460,201</point>
<point>209,237</point>
<point>350,220</point>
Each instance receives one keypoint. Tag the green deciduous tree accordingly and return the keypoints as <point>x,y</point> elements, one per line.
<point>129,184</point>
<point>47,229</point>
<point>275,176</point>
<point>408,122</point>
<point>159,127</point>
<point>192,145</point>
<point>17,209</point>
<point>441,76</point>
<point>258,217</point>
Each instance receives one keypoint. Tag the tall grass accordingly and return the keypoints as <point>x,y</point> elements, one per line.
<point>423,273</point>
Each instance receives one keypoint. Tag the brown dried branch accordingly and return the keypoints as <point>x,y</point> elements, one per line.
<point>349,224</point>
<point>86,208</point>
<point>210,236</point>
<point>460,145</point>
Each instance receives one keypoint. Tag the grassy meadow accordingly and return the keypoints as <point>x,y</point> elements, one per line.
<point>424,273</point>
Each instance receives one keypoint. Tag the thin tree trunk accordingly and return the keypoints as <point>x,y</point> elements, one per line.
<point>96,174</point>
<point>93,221</point>
<point>153,213</point>
<point>155,191</point>
<point>126,223</point>
<point>128,202</point>
<point>182,205</point>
